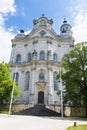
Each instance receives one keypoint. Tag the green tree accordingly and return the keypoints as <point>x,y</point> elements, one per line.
<point>75,76</point>
<point>6,84</point>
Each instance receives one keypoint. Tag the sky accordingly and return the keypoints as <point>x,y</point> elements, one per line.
<point>19,14</point>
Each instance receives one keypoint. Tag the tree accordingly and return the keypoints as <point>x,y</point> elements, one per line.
<point>75,75</point>
<point>6,84</point>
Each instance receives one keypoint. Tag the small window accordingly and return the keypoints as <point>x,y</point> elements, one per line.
<point>41,77</point>
<point>63,30</point>
<point>16,77</point>
<point>18,58</point>
<point>42,33</point>
<point>55,81</point>
<point>29,57</point>
<point>42,55</point>
<point>55,57</point>
<point>27,81</point>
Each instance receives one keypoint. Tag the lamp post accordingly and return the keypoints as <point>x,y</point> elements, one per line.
<point>12,94</point>
<point>61,88</point>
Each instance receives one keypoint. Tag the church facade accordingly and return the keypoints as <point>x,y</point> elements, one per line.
<point>36,59</point>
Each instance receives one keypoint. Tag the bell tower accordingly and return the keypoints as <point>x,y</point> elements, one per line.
<point>65,28</point>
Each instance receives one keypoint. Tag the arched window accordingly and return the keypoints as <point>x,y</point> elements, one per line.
<point>16,77</point>
<point>41,77</point>
<point>55,81</point>
<point>29,58</point>
<point>42,55</point>
<point>27,81</point>
<point>55,57</point>
<point>18,58</point>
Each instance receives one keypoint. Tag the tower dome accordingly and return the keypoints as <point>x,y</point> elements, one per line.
<point>65,28</point>
<point>20,35</point>
<point>43,22</point>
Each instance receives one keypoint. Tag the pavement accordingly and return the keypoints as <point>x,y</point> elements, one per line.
<point>15,122</point>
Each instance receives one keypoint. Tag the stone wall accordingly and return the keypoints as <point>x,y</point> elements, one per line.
<point>69,111</point>
<point>54,108</point>
<point>20,107</point>
<point>78,112</point>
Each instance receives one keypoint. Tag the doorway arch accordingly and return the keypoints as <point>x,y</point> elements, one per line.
<point>41,97</point>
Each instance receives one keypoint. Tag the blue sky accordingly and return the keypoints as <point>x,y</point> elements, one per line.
<point>19,14</point>
<point>27,10</point>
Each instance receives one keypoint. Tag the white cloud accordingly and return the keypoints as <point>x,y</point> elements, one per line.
<point>6,7</point>
<point>1,20</point>
<point>79,13</point>
<point>5,45</point>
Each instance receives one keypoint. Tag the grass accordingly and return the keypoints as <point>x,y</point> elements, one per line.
<point>4,111</point>
<point>79,127</point>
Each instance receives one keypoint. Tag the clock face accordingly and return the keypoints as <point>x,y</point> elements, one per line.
<point>42,33</point>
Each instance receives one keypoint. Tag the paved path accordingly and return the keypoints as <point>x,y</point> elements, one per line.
<point>14,122</point>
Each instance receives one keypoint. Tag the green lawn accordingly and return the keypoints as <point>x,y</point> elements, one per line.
<point>4,111</point>
<point>78,127</point>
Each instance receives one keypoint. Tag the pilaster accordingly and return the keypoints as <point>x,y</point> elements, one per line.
<point>32,89</point>
<point>50,86</point>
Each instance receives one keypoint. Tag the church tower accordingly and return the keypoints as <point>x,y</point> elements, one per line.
<point>35,61</point>
<point>65,28</point>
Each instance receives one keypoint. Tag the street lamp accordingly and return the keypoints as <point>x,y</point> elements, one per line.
<point>12,94</point>
<point>61,90</point>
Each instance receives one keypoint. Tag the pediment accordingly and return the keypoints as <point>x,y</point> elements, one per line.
<point>42,32</point>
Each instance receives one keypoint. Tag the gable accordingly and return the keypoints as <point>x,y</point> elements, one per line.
<point>42,32</point>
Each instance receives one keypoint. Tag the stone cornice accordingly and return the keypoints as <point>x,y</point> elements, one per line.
<point>36,62</point>
<point>35,40</point>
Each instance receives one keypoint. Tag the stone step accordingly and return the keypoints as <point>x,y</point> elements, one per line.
<point>38,110</point>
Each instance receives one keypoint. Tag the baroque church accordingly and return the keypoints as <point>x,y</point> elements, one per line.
<point>36,59</point>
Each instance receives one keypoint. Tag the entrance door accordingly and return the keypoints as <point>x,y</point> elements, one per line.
<point>41,97</point>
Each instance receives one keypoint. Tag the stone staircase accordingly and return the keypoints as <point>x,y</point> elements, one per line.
<point>38,110</point>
